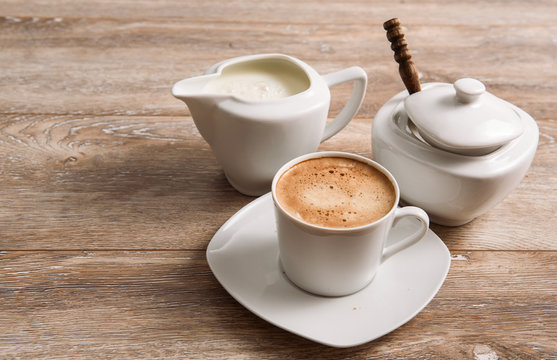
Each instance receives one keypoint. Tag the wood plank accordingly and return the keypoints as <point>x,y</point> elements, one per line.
<point>424,12</point>
<point>127,67</point>
<point>110,182</point>
<point>157,304</point>
<point>133,182</point>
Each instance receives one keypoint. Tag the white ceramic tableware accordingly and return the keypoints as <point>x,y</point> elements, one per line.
<point>339,261</point>
<point>243,256</point>
<point>463,117</point>
<point>456,151</point>
<point>259,111</point>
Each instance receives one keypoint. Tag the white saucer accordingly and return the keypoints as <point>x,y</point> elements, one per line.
<point>243,255</point>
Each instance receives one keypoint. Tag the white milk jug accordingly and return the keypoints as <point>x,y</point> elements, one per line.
<point>257,112</point>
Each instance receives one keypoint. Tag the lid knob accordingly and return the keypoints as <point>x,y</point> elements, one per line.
<point>468,90</point>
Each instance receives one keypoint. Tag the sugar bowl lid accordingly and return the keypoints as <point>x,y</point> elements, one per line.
<point>463,117</point>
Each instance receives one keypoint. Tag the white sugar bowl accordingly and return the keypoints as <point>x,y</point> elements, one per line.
<point>456,150</point>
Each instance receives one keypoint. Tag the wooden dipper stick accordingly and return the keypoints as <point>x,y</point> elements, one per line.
<point>403,57</point>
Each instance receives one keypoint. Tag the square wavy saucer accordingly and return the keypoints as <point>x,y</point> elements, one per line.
<point>243,255</point>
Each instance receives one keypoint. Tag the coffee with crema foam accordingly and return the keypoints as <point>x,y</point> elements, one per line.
<point>335,192</point>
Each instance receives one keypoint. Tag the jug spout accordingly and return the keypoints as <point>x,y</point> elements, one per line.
<point>202,105</point>
<point>194,86</point>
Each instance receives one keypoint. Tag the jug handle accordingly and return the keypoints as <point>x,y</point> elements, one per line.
<point>359,76</point>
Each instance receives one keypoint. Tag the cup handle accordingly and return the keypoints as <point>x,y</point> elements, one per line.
<point>359,76</point>
<point>410,240</point>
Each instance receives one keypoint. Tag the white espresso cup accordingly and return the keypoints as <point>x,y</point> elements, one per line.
<point>332,261</point>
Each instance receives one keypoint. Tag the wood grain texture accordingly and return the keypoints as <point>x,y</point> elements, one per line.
<point>109,195</point>
<point>98,304</point>
<point>95,66</point>
<point>118,182</point>
<point>291,11</point>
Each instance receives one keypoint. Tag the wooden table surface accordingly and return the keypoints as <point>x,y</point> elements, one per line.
<point>109,195</point>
